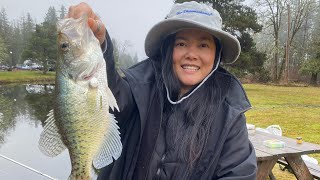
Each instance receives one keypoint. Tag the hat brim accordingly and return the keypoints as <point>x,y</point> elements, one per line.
<point>230,45</point>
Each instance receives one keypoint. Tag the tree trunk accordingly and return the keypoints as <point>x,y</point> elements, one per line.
<point>275,63</point>
<point>313,80</point>
<point>282,64</point>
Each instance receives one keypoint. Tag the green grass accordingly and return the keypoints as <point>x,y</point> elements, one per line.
<point>295,109</point>
<point>26,77</point>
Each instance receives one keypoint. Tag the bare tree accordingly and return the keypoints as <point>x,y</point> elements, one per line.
<point>301,46</point>
<point>299,11</point>
<point>274,13</point>
<point>271,12</point>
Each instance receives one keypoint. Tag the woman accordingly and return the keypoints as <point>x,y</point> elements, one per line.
<point>181,114</point>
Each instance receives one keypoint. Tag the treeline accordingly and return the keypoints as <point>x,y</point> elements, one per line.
<point>23,39</point>
<point>280,39</point>
<point>290,38</point>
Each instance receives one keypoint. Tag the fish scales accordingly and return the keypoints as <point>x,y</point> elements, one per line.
<point>81,121</point>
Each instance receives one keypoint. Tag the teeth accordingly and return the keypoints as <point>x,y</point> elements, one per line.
<point>194,68</point>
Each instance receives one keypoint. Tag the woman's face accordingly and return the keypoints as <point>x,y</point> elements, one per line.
<point>193,57</point>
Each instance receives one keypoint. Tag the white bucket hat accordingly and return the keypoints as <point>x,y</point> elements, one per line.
<point>193,15</point>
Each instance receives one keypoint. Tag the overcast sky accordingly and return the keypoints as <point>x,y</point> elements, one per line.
<point>125,19</point>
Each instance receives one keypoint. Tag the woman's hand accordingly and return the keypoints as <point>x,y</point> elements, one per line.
<point>94,21</point>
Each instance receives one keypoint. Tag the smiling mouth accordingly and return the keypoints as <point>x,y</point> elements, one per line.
<point>190,67</point>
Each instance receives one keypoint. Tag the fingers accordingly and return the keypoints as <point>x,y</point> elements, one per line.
<point>78,10</point>
<point>70,12</point>
<point>97,28</point>
<point>94,21</point>
<point>95,25</point>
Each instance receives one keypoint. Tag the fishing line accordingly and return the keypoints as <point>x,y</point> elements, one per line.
<point>36,171</point>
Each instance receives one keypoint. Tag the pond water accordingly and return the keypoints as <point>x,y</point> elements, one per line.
<point>23,110</point>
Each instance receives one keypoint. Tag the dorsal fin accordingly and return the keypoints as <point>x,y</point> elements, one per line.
<point>111,100</point>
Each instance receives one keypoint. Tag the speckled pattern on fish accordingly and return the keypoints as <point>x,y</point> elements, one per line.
<point>80,120</point>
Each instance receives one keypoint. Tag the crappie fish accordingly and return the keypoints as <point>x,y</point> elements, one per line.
<point>80,120</point>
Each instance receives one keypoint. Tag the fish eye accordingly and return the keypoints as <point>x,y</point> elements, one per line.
<point>64,46</point>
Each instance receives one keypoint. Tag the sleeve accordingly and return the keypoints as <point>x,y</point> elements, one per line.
<point>238,159</point>
<point>118,85</point>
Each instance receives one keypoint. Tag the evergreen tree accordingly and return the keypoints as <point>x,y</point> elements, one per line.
<point>27,28</point>
<point>5,33</point>
<point>50,29</point>
<point>63,12</point>
<point>15,44</point>
<point>3,51</point>
<point>42,45</point>
<point>4,25</point>
<point>51,16</point>
<point>312,65</point>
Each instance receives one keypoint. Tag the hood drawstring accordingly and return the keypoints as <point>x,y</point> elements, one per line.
<point>203,81</point>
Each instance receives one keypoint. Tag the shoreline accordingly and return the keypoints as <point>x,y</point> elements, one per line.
<point>27,82</point>
<point>26,77</point>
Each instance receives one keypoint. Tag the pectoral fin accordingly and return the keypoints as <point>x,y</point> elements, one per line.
<point>50,142</point>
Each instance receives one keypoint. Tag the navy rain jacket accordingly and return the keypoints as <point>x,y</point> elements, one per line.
<point>228,153</point>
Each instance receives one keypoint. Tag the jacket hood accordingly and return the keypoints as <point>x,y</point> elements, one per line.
<point>233,91</point>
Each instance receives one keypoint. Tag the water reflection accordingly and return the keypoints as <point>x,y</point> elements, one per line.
<point>23,110</point>
<point>33,101</point>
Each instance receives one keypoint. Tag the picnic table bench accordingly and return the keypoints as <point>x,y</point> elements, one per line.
<point>268,157</point>
<point>313,168</point>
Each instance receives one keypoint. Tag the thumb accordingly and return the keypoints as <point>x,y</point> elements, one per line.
<point>99,32</point>
<point>95,26</point>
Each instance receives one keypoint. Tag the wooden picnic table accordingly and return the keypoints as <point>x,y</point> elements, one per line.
<point>267,157</point>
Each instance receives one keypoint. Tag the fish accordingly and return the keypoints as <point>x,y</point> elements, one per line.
<point>80,120</point>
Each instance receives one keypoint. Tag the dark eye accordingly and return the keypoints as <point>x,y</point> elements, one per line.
<point>180,44</point>
<point>64,46</point>
<point>204,45</point>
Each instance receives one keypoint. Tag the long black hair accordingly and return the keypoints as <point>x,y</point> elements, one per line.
<point>197,112</point>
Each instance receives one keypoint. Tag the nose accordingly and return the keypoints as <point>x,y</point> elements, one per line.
<point>192,53</point>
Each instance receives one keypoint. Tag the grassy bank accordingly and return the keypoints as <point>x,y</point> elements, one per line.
<point>26,77</point>
<point>295,109</point>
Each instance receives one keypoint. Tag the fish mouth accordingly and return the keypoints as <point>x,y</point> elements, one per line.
<point>83,78</point>
<point>89,76</point>
<point>85,75</point>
